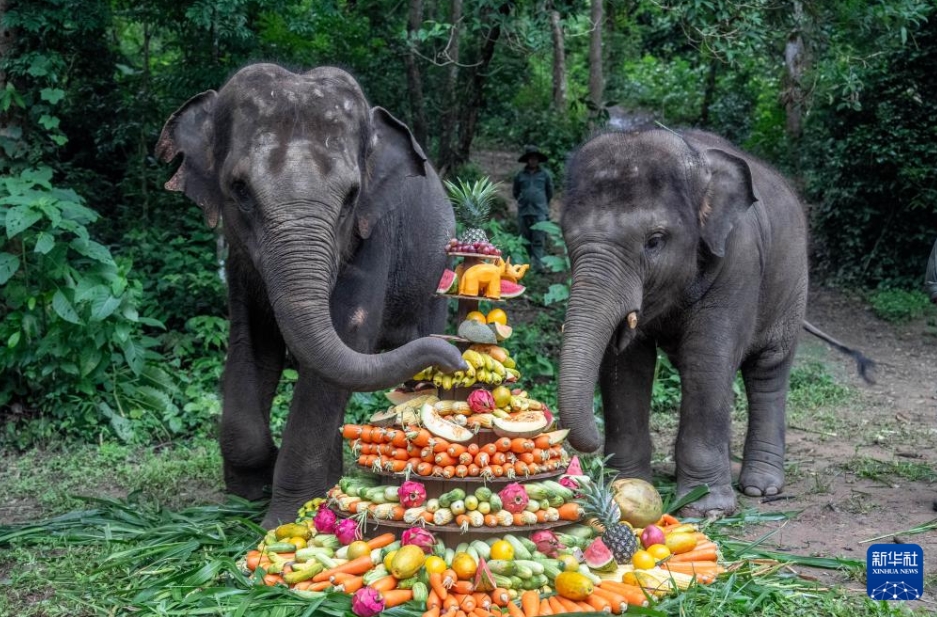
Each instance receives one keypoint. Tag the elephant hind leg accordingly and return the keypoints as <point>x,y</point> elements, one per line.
<point>766,379</point>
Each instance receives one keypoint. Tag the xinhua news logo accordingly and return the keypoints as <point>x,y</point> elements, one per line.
<point>895,571</point>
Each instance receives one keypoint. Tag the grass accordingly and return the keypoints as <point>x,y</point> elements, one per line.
<point>886,472</point>
<point>899,305</point>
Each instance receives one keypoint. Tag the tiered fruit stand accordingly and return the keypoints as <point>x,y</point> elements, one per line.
<point>438,485</point>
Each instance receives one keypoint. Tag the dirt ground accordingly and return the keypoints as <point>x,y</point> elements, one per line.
<point>844,495</point>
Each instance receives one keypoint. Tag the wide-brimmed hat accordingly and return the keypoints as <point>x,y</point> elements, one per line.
<point>530,151</point>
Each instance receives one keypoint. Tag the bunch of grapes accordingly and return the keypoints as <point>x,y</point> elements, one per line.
<point>480,248</point>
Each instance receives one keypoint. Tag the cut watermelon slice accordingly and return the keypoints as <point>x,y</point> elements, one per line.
<point>448,283</point>
<point>511,290</point>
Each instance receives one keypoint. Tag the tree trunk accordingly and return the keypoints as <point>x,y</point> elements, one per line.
<point>559,61</point>
<point>794,64</point>
<point>450,102</point>
<point>475,97</point>
<point>596,78</point>
<point>709,93</point>
<point>414,79</point>
<point>9,123</point>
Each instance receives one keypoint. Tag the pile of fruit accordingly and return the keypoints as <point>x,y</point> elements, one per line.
<point>514,505</point>
<point>582,568</point>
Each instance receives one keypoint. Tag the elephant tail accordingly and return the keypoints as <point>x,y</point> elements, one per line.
<point>864,365</point>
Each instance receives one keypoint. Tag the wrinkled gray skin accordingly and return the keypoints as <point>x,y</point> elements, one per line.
<point>664,224</point>
<point>336,224</point>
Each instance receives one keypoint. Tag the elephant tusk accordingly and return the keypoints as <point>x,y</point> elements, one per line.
<point>632,320</point>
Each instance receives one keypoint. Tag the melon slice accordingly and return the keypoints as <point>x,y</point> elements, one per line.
<point>501,331</point>
<point>557,437</point>
<point>384,418</point>
<point>439,426</point>
<point>448,283</point>
<point>511,290</point>
<point>400,396</point>
<point>476,332</point>
<point>527,424</point>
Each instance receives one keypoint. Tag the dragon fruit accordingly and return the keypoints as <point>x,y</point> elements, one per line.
<point>513,498</point>
<point>571,484</point>
<point>418,536</point>
<point>481,401</point>
<point>347,531</point>
<point>367,602</point>
<point>412,494</point>
<point>547,542</point>
<point>325,521</point>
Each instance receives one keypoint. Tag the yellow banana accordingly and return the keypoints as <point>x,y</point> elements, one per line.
<point>509,363</point>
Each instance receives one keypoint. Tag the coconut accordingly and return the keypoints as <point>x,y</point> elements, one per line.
<point>639,501</point>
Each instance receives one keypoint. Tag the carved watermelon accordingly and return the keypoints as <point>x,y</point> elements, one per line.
<point>599,557</point>
<point>448,283</point>
<point>511,290</point>
<point>574,468</point>
<point>484,581</point>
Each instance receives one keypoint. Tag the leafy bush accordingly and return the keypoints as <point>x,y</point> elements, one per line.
<point>899,305</point>
<point>73,336</point>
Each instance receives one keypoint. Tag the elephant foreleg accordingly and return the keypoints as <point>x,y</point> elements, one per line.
<point>626,381</point>
<point>766,379</point>
<point>256,354</point>
<point>310,458</point>
<point>702,448</point>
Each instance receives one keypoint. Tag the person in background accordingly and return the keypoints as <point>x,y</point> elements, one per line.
<point>533,190</point>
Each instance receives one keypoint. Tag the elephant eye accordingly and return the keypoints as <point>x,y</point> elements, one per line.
<point>242,194</point>
<point>654,242</point>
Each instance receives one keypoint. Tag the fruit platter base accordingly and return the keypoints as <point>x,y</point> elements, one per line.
<point>451,483</point>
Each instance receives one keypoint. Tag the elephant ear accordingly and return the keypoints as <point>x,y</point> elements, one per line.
<point>190,132</point>
<point>393,155</point>
<point>729,193</point>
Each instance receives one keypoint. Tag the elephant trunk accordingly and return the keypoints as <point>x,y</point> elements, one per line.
<point>300,272</point>
<point>600,298</point>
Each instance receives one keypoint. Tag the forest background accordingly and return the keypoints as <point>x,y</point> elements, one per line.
<point>113,308</point>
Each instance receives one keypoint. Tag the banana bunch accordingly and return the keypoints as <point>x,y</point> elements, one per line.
<point>487,369</point>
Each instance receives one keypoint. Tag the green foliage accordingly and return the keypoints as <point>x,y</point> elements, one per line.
<point>73,337</point>
<point>812,387</point>
<point>899,305</point>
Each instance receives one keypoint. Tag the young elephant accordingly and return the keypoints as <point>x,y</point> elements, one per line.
<point>684,243</point>
<point>337,226</point>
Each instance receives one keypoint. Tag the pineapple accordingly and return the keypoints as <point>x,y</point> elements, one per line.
<point>597,501</point>
<point>472,203</point>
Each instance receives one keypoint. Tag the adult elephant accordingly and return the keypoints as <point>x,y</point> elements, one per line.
<point>337,226</point>
<point>684,243</point>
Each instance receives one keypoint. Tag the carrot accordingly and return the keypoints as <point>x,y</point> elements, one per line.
<point>384,584</point>
<point>320,586</point>
<point>585,608</point>
<point>455,450</point>
<point>570,511</point>
<point>488,448</point>
<point>468,603</point>
<point>432,600</point>
<point>451,602</point>
<point>351,431</point>
<point>449,577</point>
<point>424,469</point>
<point>514,611</point>
<point>616,600</point>
<point>634,596</point>
<point>302,585</point>
<point>482,599</point>
<point>530,603</point>
<point>703,545</point>
<point>459,613</point>
<point>355,566</point>
<point>253,560</point>
<point>503,444</point>
<point>706,554</point>
<point>556,606</point>
<point>433,612</point>
<point>352,585</point>
<point>501,597</point>
<point>341,577</point>
<point>497,470</point>
<point>463,587</point>
<point>396,597</point>
<point>273,579</point>
<point>569,605</point>
<point>381,541</point>
<point>480,612</point>
<point>693,567</point>
<point>667,519</point>
<point>435,582</point>
<point>545,608</point>
<point>461,471</point>
<point>518,519</point>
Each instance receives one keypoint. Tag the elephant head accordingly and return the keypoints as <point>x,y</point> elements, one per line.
<point>285,160</point>
<point>641,212</point>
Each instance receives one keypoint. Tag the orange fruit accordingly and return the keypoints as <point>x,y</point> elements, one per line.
<point>476,316</point>
<point>434,564</point>
<point>642,560</point>
<point>464,566</point>
<point>497,316</point>
<point>658,551</point>
<point>502,549</point>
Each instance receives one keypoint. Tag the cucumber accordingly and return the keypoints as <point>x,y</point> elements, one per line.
<point>551,570</point>
<point>393,546</point>
<point>584,570</point>
<point>407,583</point>
<point>520,551</point>
<point>504,567</point>
<point>523,572</point>
<point>490,541</point>
<point>390,494</point>
<point>504,582</point>
<point>558,489</point>
<point>312,552</point>
<point>535,490</point>
<point>450,554</point>
<point>326,561</point>
<point>376,573</point>
<point>530,545</point>
<point>495,503</point>
<point>532,505</point>
<point>432,505</point>
<point>483,493</point>
<point>326,540</point>
<point>471,551</point>
<point>298,576</point>
<point>342,553</point>
<point>280,547</point>
<point>534,566</point>
<point>482,549</point>
<point>461,548</point>
<point>420,592</point>
<point>584,532</point>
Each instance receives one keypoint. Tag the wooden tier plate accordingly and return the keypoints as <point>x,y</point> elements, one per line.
<point>457,530</point>
<point>476,479</point>
<point>475,255</point>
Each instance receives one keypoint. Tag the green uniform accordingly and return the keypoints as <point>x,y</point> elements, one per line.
<point>533,191</point>
<point>930,278</point>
